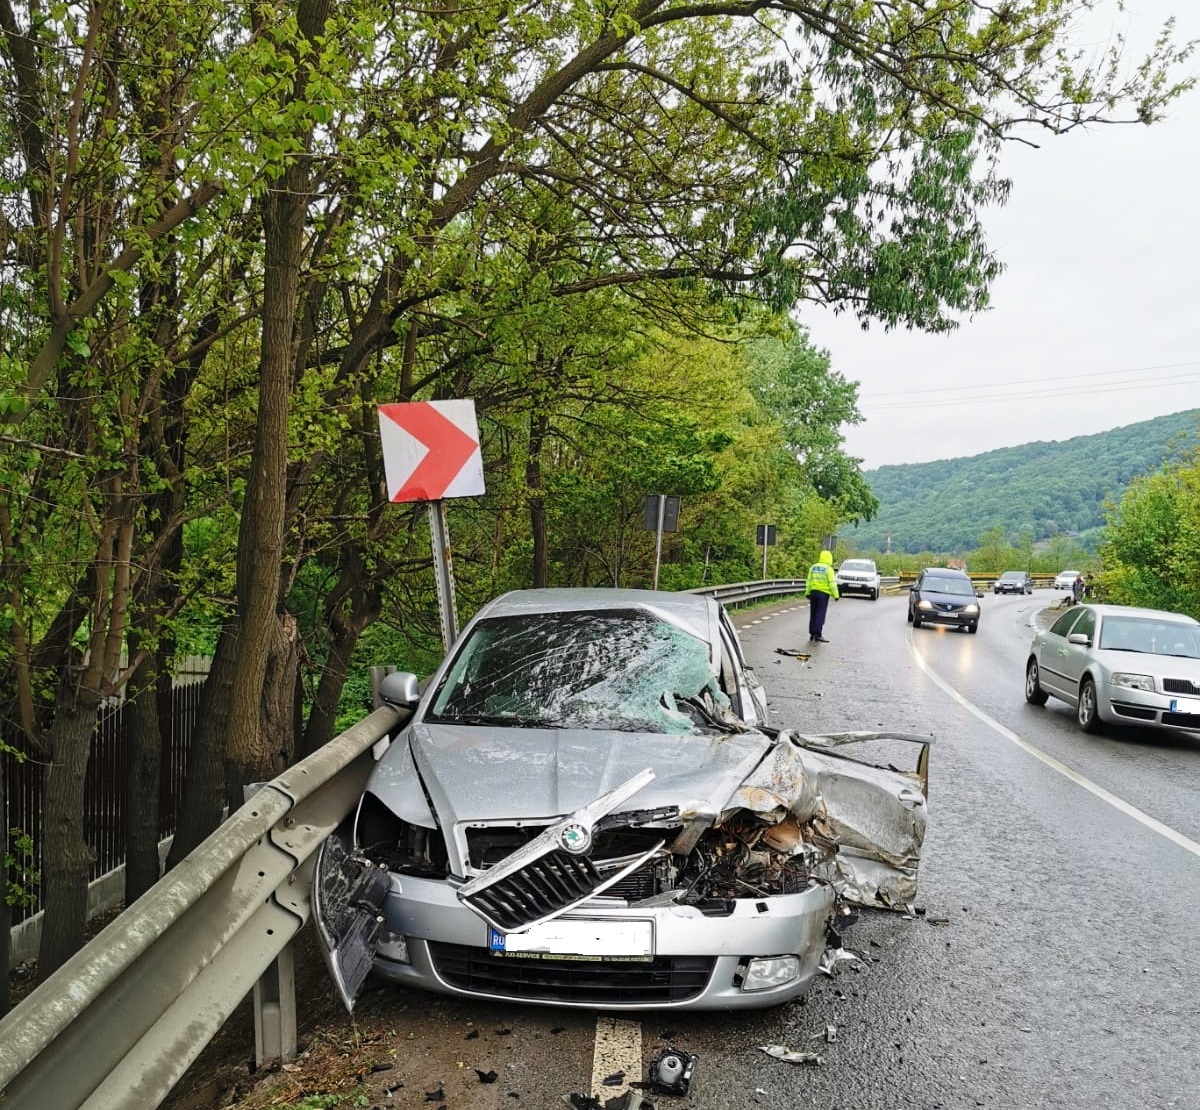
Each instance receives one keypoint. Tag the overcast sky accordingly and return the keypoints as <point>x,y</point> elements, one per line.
<point>1095,323</point>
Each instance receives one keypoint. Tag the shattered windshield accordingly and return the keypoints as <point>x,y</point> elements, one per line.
<point>616,669</point>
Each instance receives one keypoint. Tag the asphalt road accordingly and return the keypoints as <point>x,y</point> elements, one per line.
<point>1055,960</point>
<point>1068,974</point>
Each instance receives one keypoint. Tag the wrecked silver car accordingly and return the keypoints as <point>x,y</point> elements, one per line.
<point>588,808</point>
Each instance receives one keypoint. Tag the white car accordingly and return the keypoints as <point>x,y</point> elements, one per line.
<point>1066,580</point>
<point>858,576</point>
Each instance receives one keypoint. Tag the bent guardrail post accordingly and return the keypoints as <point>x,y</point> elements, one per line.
<point>120,1022</point>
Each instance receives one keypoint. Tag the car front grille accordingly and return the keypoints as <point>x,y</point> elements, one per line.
<point>540,888</point>
<point>586,982</point>
<point>1180,686</point>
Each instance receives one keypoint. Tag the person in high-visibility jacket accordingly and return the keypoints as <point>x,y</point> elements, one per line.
<point>819,587</point>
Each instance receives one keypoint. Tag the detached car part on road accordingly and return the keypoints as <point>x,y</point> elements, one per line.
<point>587,808</point>
<point>1119,664</point>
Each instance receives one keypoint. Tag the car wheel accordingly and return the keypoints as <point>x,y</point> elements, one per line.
<point>910,615</point>
<point>973,628</point>
<point>916,620</point>
<point>1034,694</point>
<point>874,595</point>
<point>1086,713</point>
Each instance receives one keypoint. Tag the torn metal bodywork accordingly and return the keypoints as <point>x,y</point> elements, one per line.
<point>593,825</point>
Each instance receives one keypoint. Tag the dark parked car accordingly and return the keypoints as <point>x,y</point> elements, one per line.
<point>587,809</point>
<point>1013,582</point>
<point>942,595</point>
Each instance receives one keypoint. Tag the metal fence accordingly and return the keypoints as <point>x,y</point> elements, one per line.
<point>104,801</point>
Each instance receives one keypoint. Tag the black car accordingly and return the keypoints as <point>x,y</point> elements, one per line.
<point>943,596</point>
<point>1013,582</point>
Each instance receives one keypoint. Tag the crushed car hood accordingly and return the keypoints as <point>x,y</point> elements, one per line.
<point>471,774</point>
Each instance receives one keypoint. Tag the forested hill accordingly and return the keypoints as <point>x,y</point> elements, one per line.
<point>1049,488</point>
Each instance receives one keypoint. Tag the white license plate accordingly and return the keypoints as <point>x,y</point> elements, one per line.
<point>573,937</point>
<point>1185,705</point>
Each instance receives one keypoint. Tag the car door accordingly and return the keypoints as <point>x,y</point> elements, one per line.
<point>1053,653</point>
<point>1078,655</point>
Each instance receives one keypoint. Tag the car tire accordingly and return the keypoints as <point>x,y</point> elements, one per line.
<point>916,620</point>
<point>973,628</point>
<point>874,595</point>
<point>1034,694</point>
<point>910,615</point>
<point>1087,715</point>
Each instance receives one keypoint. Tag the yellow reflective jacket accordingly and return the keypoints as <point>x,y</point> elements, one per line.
<point>821,576</point>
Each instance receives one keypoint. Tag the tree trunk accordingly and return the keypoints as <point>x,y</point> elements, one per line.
<point>537,501</point>
<point>346,629</point>
<point>5,909</point>
<point>144,771</point>
<point>204,784</point>
<point>66,857</point>
<point>248,755</point>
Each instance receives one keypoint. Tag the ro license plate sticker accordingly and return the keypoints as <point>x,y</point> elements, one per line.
<point>573,937</point>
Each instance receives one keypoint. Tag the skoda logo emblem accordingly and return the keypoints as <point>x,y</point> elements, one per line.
<point>576,838</point>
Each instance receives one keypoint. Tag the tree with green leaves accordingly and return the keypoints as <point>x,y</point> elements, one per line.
<point>261,221</point>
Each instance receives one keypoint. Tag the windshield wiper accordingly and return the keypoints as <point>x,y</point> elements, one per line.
<point>484,719</point>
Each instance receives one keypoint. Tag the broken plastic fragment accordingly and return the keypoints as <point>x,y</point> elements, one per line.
<point>671,1072</point>
<point>834,956</point>
<point>791,1055</point>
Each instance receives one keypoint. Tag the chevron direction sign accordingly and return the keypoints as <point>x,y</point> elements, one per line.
<point>431,450</point>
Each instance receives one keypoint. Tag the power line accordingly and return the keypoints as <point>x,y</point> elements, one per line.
<point>1025,395</point>
<point>1043,380</point>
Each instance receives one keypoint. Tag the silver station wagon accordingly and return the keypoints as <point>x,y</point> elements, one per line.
<point>588,808</point>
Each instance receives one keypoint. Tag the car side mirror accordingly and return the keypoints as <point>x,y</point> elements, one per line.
<point>978,593</point>
<point>401,689</point>
<point>1081,638</point>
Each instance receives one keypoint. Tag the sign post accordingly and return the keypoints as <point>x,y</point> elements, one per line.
<point>431,452</point>
<point>662,515</point>
<point>765,534</point>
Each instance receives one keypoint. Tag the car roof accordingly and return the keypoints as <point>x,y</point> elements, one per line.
<point>695,613</point>
<point>1014,573</point>
<point>946,572</point>
<point>1107,609</point>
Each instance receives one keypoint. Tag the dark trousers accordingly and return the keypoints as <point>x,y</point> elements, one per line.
<point>818,603</point>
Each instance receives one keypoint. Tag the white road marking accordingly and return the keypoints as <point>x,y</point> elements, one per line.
<point>1113,800</point>
<point>618,1049</point>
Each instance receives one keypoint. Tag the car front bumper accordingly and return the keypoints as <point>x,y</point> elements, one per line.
<point>939,616</point>
<point>697,962</point>
<point>857,587</point>
<point>1151,709</point>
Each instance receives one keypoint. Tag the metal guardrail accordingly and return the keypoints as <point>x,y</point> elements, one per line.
<point>118,1024</point>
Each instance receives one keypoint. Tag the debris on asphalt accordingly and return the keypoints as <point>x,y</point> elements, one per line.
<point>832,957</point>
<point>792,1055</point>
<point>804,656</point>
<point>614,1080</point>
<point>670,1073</point>
<point>486,1076</point>
<point>830,1034</point>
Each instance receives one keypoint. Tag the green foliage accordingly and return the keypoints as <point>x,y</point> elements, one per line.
<point>1040,490</point>
<point>21,877</point>
<point>1151,555</point>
